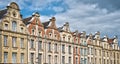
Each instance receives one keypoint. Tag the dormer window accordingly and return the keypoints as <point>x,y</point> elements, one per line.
<point>14,26</point>
<point>63,38</point>
<point>33,31</point>
<point>50,35</point>
<point>21,30</point>
<point>39,33</point>
<point>6,26</point>
<point>14,14</point>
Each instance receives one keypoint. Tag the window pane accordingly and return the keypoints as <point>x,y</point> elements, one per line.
<point>21,42</point>
<point>5,57</point>
<point>22,58</point>
<point>5,40</point>
<point>14,41</point>
<point>14,57</point>
<point>14,26</point>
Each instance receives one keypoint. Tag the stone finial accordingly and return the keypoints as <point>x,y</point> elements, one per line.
<point>36,14</point>
<point>97,33</point>
<point>53,19</point>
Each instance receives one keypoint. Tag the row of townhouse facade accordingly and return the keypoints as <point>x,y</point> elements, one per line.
<point>30,41</point>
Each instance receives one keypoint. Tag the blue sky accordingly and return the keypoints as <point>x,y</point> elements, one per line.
<point>83,15</point>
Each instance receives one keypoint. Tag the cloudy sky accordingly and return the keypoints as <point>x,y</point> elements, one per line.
<point>83,15</point>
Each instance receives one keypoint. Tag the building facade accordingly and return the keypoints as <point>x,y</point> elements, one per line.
<point>31,41</point>
<point>13,36</point>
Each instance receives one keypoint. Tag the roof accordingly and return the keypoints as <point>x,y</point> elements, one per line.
<point>46,24</point>
<point>26,20</point>
<point>2,13</point>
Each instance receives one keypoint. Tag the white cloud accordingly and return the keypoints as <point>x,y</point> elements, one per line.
<point>58,9</point>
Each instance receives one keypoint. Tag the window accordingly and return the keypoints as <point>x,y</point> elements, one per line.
<point>68,39</point>
<point>81,51</point>
<point>55,47</point>
<point>6,26</point>
<point>55,59</point>
<point>5,57</point>
<point>63,38</point>
<point>14,43</point>
<point>100,61</point>
<point>69,60</point>
<point>85,51</point>
<point>63,48</point>
<point>86,61</point>
<point>32,44</point>
<point>32,58</point>
<point>63,59</point>
<point>39,33</point>
<point>95,52</point>
<point>22,58</point>
<point>5,40</point>
<point>21,30</point>
<point>69,49</point>
<point>95,60</point>
<point>14,26</point>
<point>76,50</point>
<point>49,59</point>
<point>76,61</point>
<point>40,59</point>
<point>14,57</point>
<point>40,45</point>
<point>81,61</point>
<point>33,31</point>
<point>22,42</point>
<point>49,46</point>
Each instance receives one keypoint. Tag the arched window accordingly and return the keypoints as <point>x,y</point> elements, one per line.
<point>14,26</point>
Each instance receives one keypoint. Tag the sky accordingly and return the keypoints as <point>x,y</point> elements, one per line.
<point>82,15</point>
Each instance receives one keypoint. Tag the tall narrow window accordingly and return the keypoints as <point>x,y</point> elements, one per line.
<point>85,51</point>
<point>76,61</point>
<point>63,59</point>
<point>49,46</point>
<point>69,49</point>
<point>5,40</point>
<point>32,43</point>
<point>6,26</point>
<point>49,59</point>
<point>22,42</point>
<point>21,30</point>
<point>63,38</point>
<point>40,45</point>
<point>14,57</point>
<point>40,59</point>
<point>14,43</point>
<point>32,58</point>
<point>76,50</point>
<point>81,51</point>
<point>55,47</point>
<point>86,61</point>
<point>14,26</point>
<point>5,57</point>
<point>22,58</point>
<point>33,31</point>
<point>55,60</point>
<point>63,48</point>
<point>69,60</point>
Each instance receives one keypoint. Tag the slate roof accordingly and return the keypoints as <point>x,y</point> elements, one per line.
<point>26,20</point>
<point>2,13</point>
<point>46,24</point>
